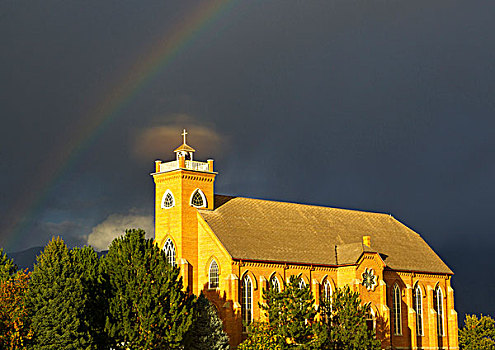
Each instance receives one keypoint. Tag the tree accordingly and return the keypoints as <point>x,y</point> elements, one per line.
<point>262,336</point>
<point>477,333</point>
<point>343,322</point>
<point>14,322</point>
<point>206,332</point>
<point>7,267</point>
<point>291,312</point>
<point>147,307</point>
<point>291,319</point>
<point>59,301</point>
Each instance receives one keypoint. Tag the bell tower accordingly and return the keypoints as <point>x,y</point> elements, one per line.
<point>182,186</point>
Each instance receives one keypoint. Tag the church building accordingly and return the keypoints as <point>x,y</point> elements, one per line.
<point>231,248</point>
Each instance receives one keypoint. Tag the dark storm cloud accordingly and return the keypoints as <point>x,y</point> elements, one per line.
<point>380,106</point>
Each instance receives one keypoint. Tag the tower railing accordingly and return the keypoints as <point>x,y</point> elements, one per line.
<point>189,164</point>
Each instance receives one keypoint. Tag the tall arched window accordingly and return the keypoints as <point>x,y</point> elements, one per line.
<point>371,319</point>
<point>438,304</point>
<point>247,302</point>
<point>198,199</point>
<point>302,284</point>
<point>418,307</point>
<point>397,299</point>
<point>327,290</point>
<point>213,275</point>
<point>169,249</point>
<point>275,284</point>
<point>168,200</point>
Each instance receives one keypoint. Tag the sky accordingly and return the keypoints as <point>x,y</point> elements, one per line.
<point>383,106</point>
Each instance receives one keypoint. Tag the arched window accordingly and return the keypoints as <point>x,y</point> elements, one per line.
<point>438,305</point>
<point>396,309</point>
<point>418,307</point>
<point>327,290</point>
<point>169,249</point>
<point>198,199</point>
<point>168,200</point>
<point>247,302</point>
<point>302,284</point>
<point>371,319</point>
<point>213,275</point>
<point>275,284</point>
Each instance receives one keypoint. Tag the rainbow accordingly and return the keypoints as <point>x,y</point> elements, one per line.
<point>92,125</point>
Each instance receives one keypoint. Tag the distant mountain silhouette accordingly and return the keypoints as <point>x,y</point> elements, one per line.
<point>26,259</point>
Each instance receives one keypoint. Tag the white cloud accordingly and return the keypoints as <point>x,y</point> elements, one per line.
<point>115,225</point>
<point>163,138</point>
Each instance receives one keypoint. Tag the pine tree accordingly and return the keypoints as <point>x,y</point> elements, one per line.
<point>7,267</point>
<point>206,332</point>
<point>477,333</point>
<point>58,302</point>
<point>343,323</point>
<point>147,308</point>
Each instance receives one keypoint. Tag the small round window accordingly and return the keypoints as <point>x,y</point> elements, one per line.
<point>168,200</point>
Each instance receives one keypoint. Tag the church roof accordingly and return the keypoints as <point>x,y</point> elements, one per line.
<point>254,229</point>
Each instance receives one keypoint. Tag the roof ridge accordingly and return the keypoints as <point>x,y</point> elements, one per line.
<point>309,205</point>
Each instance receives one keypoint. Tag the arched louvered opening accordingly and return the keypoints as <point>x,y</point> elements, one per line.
<point>168,200</point>
<point>198,199</point>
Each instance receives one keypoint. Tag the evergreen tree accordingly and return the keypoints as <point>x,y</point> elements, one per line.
<point>58,302</point>
<point>7,267</point>
<point>343,323</point>
<point>147,308</point>
<point>206,332</point>
<point>291,314</point>
<point>477,333</point>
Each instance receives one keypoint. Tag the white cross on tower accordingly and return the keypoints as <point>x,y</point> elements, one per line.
<point>184,133</point>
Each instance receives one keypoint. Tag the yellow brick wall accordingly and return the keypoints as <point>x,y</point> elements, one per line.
<point>195,242</point>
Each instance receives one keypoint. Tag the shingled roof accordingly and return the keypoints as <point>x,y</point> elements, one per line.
<point>254,229</point>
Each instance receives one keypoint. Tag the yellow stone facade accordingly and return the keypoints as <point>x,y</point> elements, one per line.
<point>196,246</point>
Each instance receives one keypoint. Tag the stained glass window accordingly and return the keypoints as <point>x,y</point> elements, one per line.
<point>247,302</point>
<point>397,310</point>
<point>302,284</point>
<point>418,307</point>
<point>438,301</point>
<point>327,290</point>
<point>213,275</point>
<point>169,249</point>
<point>275,284</point>
<point>198,199</point>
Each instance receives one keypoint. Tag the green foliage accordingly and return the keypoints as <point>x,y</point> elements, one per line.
<point>147,307</point>
<point>14,326</point>
<point>291,315</point>
<point>343,323</point>
<point>262,336</point>
<point>206,332</point>
<point>293,322</point>
<point>61,314</point>
<point>7,267</point>
<point>477,333</point>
